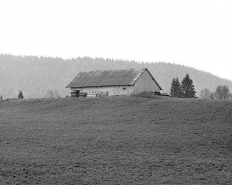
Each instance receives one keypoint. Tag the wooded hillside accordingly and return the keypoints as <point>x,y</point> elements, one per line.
<point>35,75</point>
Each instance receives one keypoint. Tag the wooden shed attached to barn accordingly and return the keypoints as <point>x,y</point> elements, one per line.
<point>114,82</point>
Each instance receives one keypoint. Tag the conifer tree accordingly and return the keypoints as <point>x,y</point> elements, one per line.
<point>188,90</point>
<point>173,88</point>
<point>20,95</point>
<point>178,88</point>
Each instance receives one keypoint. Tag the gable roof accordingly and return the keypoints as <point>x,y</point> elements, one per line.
<point>103,78</point>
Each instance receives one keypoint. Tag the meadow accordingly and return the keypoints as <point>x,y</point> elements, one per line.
<point>143,139</point>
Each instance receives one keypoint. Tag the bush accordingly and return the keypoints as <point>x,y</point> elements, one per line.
<point>20,95</point>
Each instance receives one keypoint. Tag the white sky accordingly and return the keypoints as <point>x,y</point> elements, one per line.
<point>193,33</point>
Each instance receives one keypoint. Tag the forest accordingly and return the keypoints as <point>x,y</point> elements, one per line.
<point>36,76</point>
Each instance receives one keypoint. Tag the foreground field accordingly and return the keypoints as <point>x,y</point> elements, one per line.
<point>116,140</point>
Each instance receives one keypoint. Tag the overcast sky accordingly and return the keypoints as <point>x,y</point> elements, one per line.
<point>196,33</point>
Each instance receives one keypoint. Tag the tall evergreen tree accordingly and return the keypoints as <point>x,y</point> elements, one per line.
<point>188,90</point>
<point>173,88</point>
<point>178,88</point>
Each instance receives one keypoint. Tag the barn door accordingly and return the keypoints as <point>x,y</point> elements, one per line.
<point>77,93</point>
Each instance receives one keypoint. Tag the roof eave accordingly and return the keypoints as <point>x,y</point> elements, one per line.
<point>153,79</point>
<point>98,86</point>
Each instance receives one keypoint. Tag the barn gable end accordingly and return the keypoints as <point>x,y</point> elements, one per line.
<point>146,82</point>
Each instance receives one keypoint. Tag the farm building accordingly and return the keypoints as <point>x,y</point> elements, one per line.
<point>113,82</point>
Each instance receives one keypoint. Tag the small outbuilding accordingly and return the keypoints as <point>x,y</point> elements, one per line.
<point>113,82</point>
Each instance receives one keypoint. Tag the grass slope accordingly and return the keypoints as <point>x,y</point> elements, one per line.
<point>116,140</point>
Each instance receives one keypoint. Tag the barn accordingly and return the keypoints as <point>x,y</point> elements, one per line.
<point>113,82</point>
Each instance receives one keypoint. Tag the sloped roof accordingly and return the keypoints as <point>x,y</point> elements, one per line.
<point>103,78</point>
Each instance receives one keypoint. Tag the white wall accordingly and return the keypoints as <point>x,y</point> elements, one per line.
<point>115,90</point>
<point>98,90</point>
<point>145,83</point>
<point>122,90</point>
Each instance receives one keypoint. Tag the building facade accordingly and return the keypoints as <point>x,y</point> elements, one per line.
<point>114,82</point>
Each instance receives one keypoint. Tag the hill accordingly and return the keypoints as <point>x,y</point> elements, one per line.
<point>116,140</point>
<point>35,75</point>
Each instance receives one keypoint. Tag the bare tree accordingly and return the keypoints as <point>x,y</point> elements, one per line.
<point>57,95</point>
<point>52,94</point>
<point>205,94</point>
<point>226,92</point>
<point>222,92</point>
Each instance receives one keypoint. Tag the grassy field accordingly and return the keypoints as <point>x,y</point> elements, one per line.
<point>116,140</point>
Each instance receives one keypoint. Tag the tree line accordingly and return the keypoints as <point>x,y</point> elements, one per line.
<point>186,89</point>
<point>36,75</point>
<point>221,92</point>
